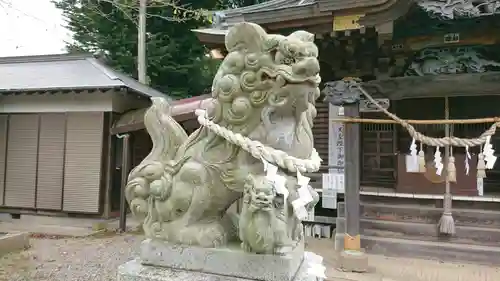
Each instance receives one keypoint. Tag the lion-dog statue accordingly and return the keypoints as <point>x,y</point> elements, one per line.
<point>265,89</point>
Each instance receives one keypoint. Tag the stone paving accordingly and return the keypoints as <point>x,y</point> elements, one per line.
<point>403,269</point>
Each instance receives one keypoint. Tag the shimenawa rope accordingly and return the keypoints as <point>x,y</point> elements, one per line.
<point>441,142</point>
<point>259,151</point>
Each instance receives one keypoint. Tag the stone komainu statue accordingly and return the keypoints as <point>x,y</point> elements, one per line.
<point>263,221</point>
<point>262,106</point>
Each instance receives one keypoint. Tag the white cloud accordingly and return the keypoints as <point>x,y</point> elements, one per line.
<point>31,27</point>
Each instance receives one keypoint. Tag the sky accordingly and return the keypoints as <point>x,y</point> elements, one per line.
<point>31,27</point>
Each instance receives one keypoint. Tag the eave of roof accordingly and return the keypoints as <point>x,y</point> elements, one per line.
<point>277,11</point>
<point>211,35</point>
<point>281,9</point>
<point>65,72</point>
<point>181,110</point>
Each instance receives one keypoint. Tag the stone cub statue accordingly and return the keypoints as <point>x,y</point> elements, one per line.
<point>263,222</point>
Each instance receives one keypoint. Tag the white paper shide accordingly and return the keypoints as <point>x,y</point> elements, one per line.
<point>412,158</point>
<point>315,265</point>
<point>305,197</point>
<point>438,161</point>
<point>277,179</point>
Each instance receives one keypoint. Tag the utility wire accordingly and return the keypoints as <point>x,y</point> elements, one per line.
<point>53,29</point>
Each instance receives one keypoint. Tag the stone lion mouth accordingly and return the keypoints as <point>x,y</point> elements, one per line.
<point>314,80</point>
<point>262,202</point>
<point>287,77</point>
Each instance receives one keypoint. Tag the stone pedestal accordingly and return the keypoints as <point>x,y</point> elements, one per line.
<point>353,261</point>
<point>160,261</point>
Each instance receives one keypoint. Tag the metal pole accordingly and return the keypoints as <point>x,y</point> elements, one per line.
<point>141,48</point>
<point>125,170</point>
<point>352,239</point>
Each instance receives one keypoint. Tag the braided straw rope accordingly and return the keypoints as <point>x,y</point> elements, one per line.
<point>452,141</point>
<point>259,151</point>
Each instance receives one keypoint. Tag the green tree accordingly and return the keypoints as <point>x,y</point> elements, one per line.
<point>176,61</point>
<point>175,58</point>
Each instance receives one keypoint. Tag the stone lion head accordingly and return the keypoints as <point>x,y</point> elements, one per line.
<point>259,193</point>
<point>264,72</point>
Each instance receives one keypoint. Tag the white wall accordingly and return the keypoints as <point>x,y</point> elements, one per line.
<point>70,102</point>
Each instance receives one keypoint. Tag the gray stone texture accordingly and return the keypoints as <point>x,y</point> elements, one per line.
<point>353,261</point>
<point>12,242</point>
<point>223,261</point>
<point>181,191</point>
<point>136,271</point>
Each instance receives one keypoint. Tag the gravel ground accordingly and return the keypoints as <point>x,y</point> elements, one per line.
<point>89,259</point>
<point>97,259</point>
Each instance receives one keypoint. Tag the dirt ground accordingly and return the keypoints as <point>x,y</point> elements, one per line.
<point>97,258</point>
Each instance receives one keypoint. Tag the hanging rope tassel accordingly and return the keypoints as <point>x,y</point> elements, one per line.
<point>421,159</point>
<point>452,171</point>
<point>447,223</point>
<point>481,166</point>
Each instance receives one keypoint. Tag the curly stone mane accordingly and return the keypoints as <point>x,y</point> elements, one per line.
<point>258,76</point>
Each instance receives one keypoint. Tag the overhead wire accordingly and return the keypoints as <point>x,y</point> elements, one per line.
<point>52,29</point>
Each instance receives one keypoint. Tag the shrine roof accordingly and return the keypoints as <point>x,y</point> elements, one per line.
<point>281,10</point>
<point>301,12</point>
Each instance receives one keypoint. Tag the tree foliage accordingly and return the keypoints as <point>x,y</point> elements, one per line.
<point>176,61</point>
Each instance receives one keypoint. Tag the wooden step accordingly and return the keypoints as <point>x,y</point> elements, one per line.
<point>425,214</point>
<point>443,251</point>
<point>431,202</point>
<point>425,232</point>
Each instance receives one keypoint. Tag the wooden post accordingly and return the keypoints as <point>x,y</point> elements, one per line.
<point>125,170</point>
<point>352,239</point>
<point>347,95</point>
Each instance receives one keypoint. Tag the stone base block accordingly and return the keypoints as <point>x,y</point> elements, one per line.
<point>11,242</point>
<point>353,261</point>
<point>229,261</point>
<point>136,271</point>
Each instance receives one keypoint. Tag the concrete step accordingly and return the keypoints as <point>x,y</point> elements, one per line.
<point>443,251</point>
<point>426,214</point>
<point>425,232</point>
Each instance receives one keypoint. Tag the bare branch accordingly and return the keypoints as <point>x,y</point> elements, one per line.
<point>127,7</point>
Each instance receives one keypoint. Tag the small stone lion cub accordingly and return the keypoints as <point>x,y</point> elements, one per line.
<point>262,225</point>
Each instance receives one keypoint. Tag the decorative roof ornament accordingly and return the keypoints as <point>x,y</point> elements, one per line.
<point>342,92</point>
<point>437,61</point>
<point>457,9</point>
